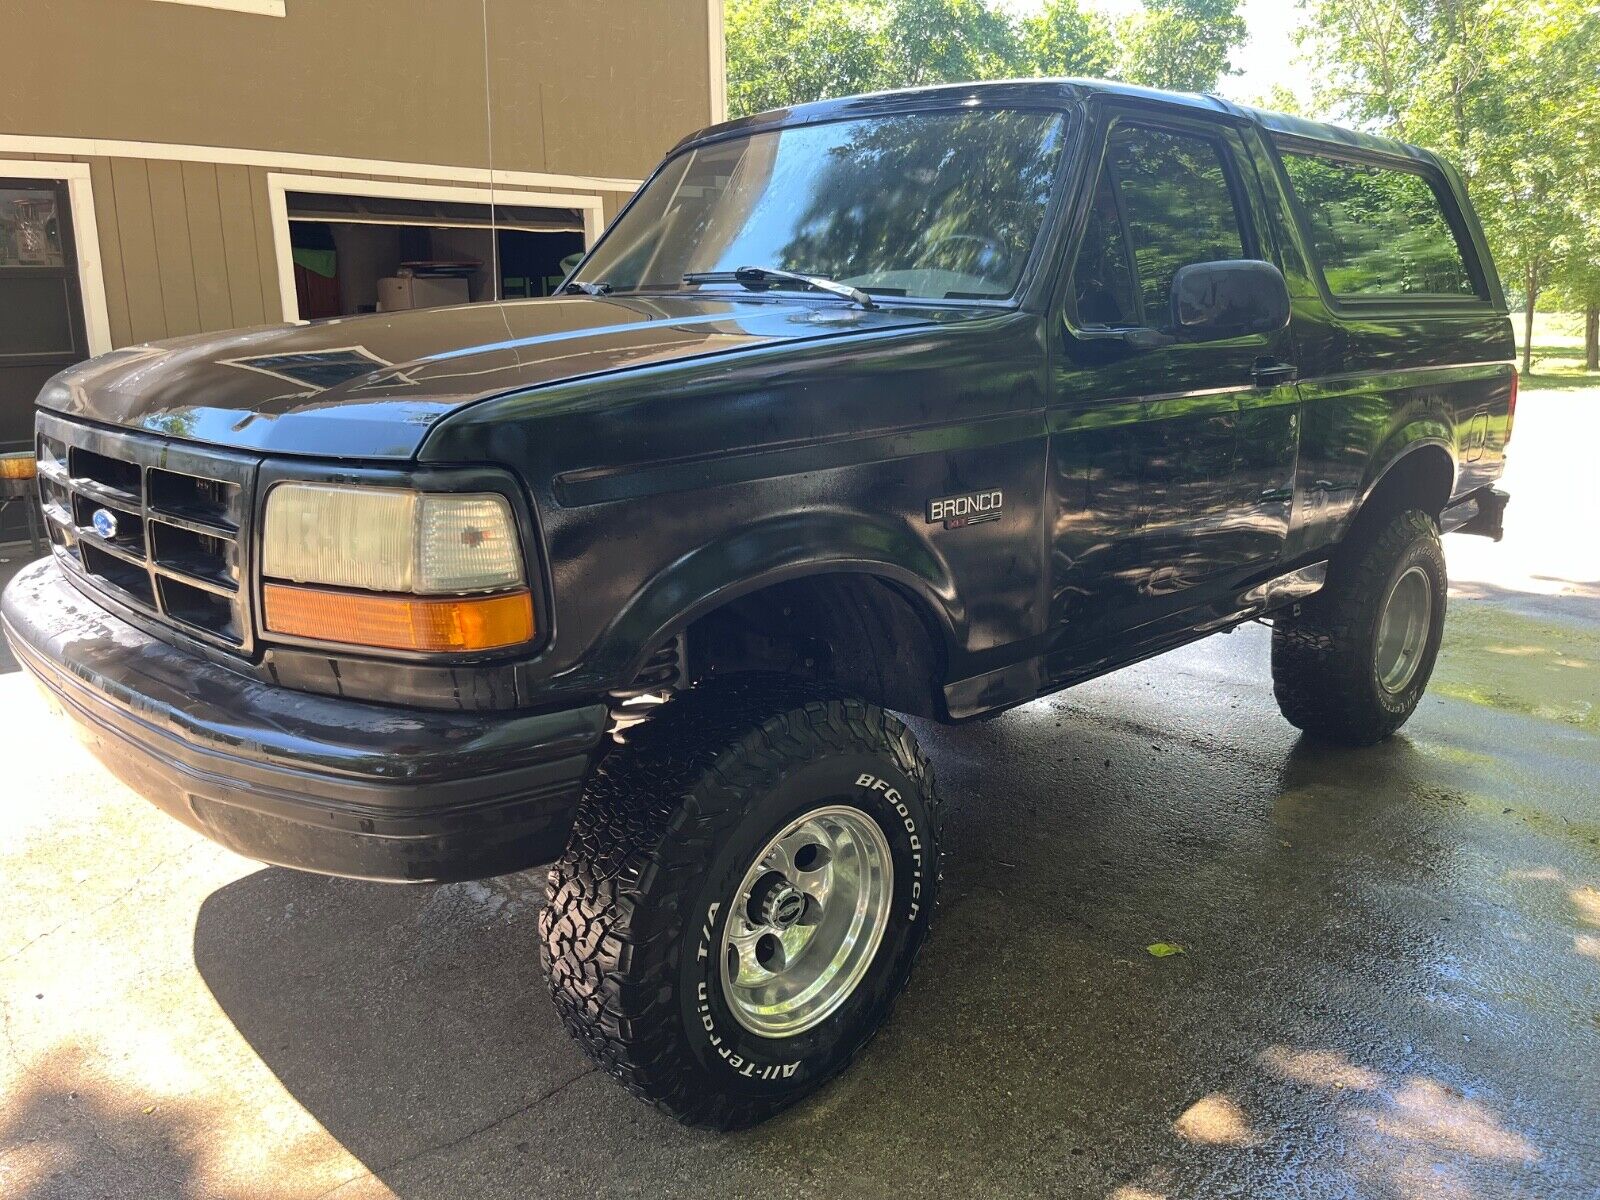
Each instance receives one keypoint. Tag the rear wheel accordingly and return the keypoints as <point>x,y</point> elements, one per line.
<point>748,883</point>
<point>1353,665</point>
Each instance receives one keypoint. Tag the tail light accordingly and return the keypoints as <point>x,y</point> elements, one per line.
<point>1511,409</point>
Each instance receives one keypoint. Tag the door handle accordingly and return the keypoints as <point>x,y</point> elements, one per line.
<point>1272,372</point>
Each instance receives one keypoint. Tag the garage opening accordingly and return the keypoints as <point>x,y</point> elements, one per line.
<point>362,254</point>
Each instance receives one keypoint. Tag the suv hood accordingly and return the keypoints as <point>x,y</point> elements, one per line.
<point>374,386</point>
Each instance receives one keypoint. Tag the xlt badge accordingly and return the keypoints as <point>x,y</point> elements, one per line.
<point>956,512</point>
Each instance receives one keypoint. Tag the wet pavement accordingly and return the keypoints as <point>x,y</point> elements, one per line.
<point>1390,984</point>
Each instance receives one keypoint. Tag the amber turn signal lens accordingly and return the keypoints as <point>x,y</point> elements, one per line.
<point>438,625</point>
<point>18,466</point>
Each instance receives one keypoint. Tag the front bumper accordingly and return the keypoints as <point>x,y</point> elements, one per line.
<point>315,782</point>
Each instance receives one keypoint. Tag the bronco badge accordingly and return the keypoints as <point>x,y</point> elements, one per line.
<point>957,512</point>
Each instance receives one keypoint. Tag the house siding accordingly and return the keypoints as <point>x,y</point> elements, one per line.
<point>188,247</point>
<point>589,92</point>
<point>576,87</point>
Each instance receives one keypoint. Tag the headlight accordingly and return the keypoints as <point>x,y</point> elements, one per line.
<point>433,556</point>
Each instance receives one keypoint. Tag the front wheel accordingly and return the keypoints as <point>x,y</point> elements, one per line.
<point>748,883</point>
<point>1353,665</point>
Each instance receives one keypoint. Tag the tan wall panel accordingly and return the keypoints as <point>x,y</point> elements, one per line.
<point>588,87</point>
<point>174,250</point>
<point>105,215</point>
<point>209,258</point>
<point>634,74</point>
<point>612,203</point>
<point>141,265</point>
<point>239,246</point>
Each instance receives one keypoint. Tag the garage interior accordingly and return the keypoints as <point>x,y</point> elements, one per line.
<point>362,254</point>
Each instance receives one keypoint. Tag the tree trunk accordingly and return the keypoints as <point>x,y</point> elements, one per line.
<point>1527,325</point>
<point>1591,337</point>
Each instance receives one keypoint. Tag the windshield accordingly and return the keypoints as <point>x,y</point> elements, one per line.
<point>937,206</point>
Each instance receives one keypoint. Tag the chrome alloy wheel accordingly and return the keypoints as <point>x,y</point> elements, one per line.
<point>1403,630</point>
<point>806,921</point>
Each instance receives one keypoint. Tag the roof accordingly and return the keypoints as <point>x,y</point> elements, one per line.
<point>1052,92</point>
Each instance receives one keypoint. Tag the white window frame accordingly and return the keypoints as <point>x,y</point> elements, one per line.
<point>279,160</point>
<point>85,239</point>
<point>717,36</point>
<point>259,8</point>
<point>279,186</point>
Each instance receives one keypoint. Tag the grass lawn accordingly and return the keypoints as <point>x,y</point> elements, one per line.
<point>1557,354</point>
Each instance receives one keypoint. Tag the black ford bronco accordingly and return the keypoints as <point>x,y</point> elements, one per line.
<point>930,403</point>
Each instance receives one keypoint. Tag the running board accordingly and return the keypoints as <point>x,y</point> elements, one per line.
<point>1286,588</point>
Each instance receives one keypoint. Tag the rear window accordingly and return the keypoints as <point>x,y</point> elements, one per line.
<point>1378,231</point>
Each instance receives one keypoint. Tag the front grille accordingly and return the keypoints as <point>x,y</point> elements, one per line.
<point>172,539</point>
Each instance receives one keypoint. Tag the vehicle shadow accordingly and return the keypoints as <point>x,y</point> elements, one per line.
<point>1040,1049</point>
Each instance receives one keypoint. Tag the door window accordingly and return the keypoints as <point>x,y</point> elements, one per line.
<point>30,227</point>
<point>41,314</point>
<point>35,315</point>
<point>1164,201</point>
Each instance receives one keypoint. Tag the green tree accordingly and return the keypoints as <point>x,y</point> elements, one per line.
<point>1575,56</point>
<point>1181,44</point>
<point>1063,40</point>
<point>1577,288</point>
<point>782,53</point>
<point>1525,170</point>
<point>1420,70</point>
<point>945,41</point>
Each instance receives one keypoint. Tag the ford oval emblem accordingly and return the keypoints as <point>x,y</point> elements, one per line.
<point>105,523</point>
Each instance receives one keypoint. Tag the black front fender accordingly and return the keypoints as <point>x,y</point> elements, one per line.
<point>784,547</point>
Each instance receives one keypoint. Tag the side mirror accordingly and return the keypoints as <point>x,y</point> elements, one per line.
<point>1217,300</point>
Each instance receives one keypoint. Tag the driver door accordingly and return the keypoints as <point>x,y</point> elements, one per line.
<point>1153,518</point>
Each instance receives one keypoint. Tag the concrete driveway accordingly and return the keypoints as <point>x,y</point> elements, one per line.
<point>1390,985</point>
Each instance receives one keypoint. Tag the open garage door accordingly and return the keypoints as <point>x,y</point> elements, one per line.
<point>361,253</point>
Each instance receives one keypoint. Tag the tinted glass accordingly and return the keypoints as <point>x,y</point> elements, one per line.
<point>37,314</point>
<point>30,230</point>
<point>928,205</point>
<point>1103,282</point>
<point>1377,231</point>
<point>1177,204</point>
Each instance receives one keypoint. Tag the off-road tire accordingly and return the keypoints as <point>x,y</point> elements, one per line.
<point>670,823</point>
<point>1324,661</point>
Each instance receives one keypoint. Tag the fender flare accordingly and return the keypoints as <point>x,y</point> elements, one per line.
<point>1416,437</point>
<point>774,550</point>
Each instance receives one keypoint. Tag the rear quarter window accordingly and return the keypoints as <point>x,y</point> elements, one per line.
<point>1378,230</point>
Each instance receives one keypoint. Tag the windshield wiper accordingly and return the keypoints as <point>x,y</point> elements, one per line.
<point>757,278</point>
<point>588,289</point>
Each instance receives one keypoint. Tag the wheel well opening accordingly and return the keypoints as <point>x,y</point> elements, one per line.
<point>1422,479</point>
<point>864,634</point>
